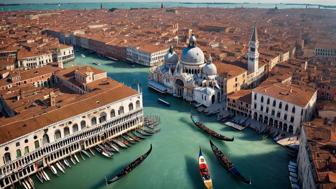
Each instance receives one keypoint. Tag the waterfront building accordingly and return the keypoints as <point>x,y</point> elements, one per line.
<point>43,125</point>
<point>63,53</point>
<point>316,158</point>
<point>239,103</point>
<point>234,78</point>
<point>33,59</point>
<point>192,78</point>
<point>283,106</point>
<point>146,55</point>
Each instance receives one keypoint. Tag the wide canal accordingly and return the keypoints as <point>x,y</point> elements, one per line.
<point>173,163</point>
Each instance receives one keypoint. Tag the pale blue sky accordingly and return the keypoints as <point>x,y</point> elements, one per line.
<point>330,2</point>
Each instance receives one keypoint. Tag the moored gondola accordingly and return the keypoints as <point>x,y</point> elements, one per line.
<point>130,167</point>
<point>204,171</point>
<point>209,131</point>
<point>227,164</point>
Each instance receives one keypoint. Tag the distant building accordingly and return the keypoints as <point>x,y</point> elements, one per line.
<point>316,158</point>
<point>283,106</point>
<point>191,78</point>
<point>146,55</point>
<point>63,53</point>
<point>33,59</point>
<point>239,103</point>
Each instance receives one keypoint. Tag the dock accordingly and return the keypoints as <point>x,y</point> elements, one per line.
<point>235,126</point>
<point>157,87</point>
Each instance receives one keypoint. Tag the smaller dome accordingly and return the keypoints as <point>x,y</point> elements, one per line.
<point>171,57</point>
<point>209,69</point>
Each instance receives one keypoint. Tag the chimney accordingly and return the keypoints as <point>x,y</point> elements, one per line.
<point>52,98</point>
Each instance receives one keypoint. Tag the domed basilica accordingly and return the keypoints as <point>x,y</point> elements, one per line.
<point>192,77</point>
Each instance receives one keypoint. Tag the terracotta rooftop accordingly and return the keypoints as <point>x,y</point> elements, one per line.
<point>242,95</point>
<point>298,95</point>
<point>229,70</point>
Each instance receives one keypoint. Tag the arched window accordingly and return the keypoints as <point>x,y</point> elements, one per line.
<point>293,109</point>
<point>121,110</point>
<point>83,124</point>
<point>66,131</point>
<point>26,150</point>
<point>94,121</point>
<point>213,99</point>
<point>74,127</point>
<point>286,107</point>
<point>262,99</point>
<point>45,139</point>
<point>112,113</point>
<point>274,103</point>
<point>58,134</point>
<point>280,105</point>
<point>18,153</point>
<point>37,144</point>
<point>268,100</point>
<point>290,129</point>
<point>137,104</point>
<point>7,157</point>
<point>102,117</point>
<point>130,106</point>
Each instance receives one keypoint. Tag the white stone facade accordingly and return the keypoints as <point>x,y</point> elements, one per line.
<point>35,61</point>
<point>138,56</point>
<point>32,152</point>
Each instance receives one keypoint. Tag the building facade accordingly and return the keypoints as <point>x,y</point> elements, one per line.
<point>147,55</point>
<point>191,78</point>
<point>68,123</point>
<point>283,106</point>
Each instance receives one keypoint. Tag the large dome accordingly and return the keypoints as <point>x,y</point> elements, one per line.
<point>192,55</point>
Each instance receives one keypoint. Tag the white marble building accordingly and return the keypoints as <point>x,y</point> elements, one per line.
<point>191,78</point>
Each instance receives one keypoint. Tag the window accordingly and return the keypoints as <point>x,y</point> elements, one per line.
<point>280,105</point>
<point>130,107</point>
<point>37,144</point>
<point>121,110</point>
<point>112,113</point>
<point>285,117</point>
<point>18,153</point>
<point>137,104</point>
<point>261,108</point>
<point>58,134</point>
<point>273,112</point>
<point>102,117</point>
<point>267,109</point>
<point>268,100</point>
<point>274,103</point>
<point>255,96</point>
<point>66,131</point>
<point>278,114</point>
<point>93,121</point>
<point>286,107</point>
<point>293,109</point>
<point>262,99</point>
<point>292,119</point>
<point>17,144</point>
<point>255,106</point>
<point>26,150</point>
<point>75,128</point>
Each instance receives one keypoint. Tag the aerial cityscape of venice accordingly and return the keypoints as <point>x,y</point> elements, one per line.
<point>167,94</point>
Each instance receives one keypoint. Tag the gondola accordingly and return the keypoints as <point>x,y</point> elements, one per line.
<point>130,167</point>
<point>204,171</point>
<point>227,164</point>
<point>209,131</point>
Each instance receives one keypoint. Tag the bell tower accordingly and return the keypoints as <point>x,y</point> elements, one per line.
<point>253,54</point>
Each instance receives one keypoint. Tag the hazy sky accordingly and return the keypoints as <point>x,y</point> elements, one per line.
<point>236,1</point>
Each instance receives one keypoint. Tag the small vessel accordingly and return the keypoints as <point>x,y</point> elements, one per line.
<point>76,158</point>
<point>150,132</point>
<point>128,139</point>
<point>160,100</point>
<point>115,147</point>
<point>66,163</point>
<point>60,167</point>
<point>83,55</point>
<point>140,131</point>
<point>209,131</point>
<point>103,152</point>
<point>138,135</point>
<point>96,63</point>
<point>227,164</point>
<point>130,167</point>
<point>53,169</point>
<point>31,182</point>
<point>39,177</point>
<point>73,160</point>
<point>204,171</point>
<point>123,140</point>
<point>119,143</point>
<point>91,151</point>
<point>86,153</point>
<point>133,137</point>
<point>46,177</point>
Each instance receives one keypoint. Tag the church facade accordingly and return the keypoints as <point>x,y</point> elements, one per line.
<point>192,77</point>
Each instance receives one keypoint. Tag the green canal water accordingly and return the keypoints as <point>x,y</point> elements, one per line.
<point>173,163</point>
